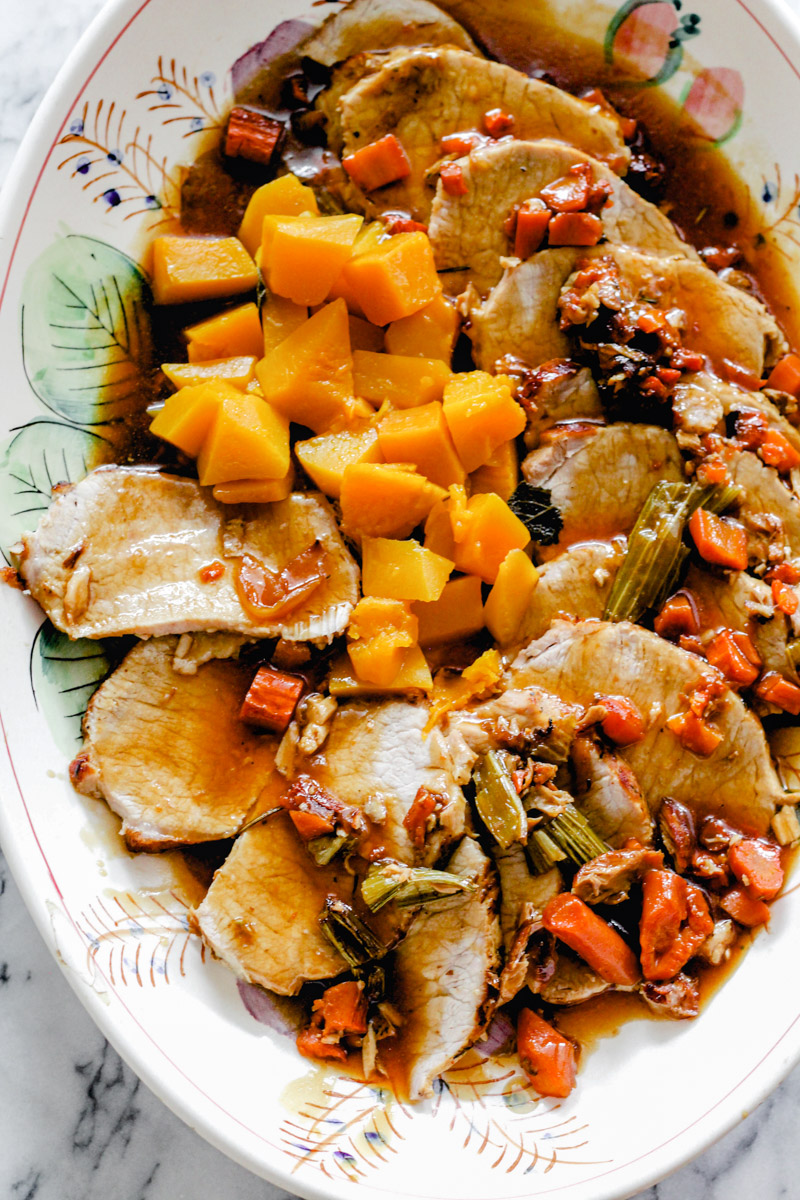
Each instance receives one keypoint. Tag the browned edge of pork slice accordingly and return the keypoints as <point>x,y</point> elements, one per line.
<point>607,792</point>
<point>376,757</point>
<point>467,231</point>
<point>420,95</point>
<point>123,550</point>
<point>167,751</point>
<point>599,479</point>
<point>260,915</point>
<point>768,509</point>
<point>522,900</point>
<point>561,391</point>
<point>576,661</point>
<point>372,25</point>
<point>701,401</point>
<point>444,980</point>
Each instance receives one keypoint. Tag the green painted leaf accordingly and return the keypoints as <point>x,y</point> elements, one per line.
<point>86,338</point>
<point>36,457</point>
<point>64,675</point>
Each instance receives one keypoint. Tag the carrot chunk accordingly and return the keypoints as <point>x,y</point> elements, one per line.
<point>272,699</point>
<point>592,938</point>
<point>533,218</point>
<point>778,452</point>
<point>784,597</point>
<point>452,178</point>
<point>675,922</point>
<point>735,656</point>
<point>719,540</point>
<point>744,909</point>
<point>546,1056</point>
<point>758,867</point>
<point>694,733</point>
<point>382,162</point>
<point>575,229</point>
<point>623,722</point>
<point>252,135</point>
<point>678,616</point>
<point>773,688</point>
<point>496,122</point>
<point>344,1008</point>
<point>785,375</point>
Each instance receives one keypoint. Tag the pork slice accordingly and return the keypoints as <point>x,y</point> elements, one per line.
<point>571,982</point>
<point>467,230</point>
<point>768,509</point>
<point>420,95</point>
<point>167,751</point>
<point>444,980</point>
<point>377,757</point>
<point>560,390</point>
<point>701,401</point>
<point>121,552</point>
<point>607,792</point>
<point>364,25</point>
<point>576,584</point>
<point>600,479</point>
<point>577,661</point>
<point>522,899</point>
<point>609,878</point>
<point>741,602</point>
<point>261,913</point>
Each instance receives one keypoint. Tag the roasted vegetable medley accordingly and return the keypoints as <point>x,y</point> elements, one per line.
<point>466,572</point>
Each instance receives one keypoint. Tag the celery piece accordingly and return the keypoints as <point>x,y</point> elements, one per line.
<point>574,835</point>
<point>793,653</point>
<point>543,853</point>
<point>497,802</point>
<point>348,934</point>
<point>409,886</point>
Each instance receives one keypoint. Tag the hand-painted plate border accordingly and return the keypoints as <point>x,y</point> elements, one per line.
<point>138,95</point>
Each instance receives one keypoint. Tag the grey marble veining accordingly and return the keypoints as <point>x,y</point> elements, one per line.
<point>75,1122</point>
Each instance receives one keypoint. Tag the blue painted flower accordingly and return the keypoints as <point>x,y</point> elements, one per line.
<point>196,124</point>
<point>769,193</point>
<point>82,166</point>
<point>112,198</point>
<point>208,79</point>
<point>76,127</point>
<point>152,202</point>
<point>164,92</point>
<point>343,1156</point>
<point>115,156</point>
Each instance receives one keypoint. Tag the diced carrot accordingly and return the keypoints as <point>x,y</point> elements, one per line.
<point>461,143</point>
<point>310,825</point>
<point>757,865</point>
<point>546,1056</point>
<point>740,375</point>
<point>623,722</point>
<point>570,193</point>
<point>744,909</point>
<point>533,217</point>
<point>687,360</point>
<point>252,135</point>
<point>343,1008</point>
<point>719,540</point>
<point>382,162</point>
<point>694,733</point>
<point>575,229</point>
<point>627,125</point>
<point>452,178</point>
<point>496,122</point>
<point>211,572</point>
<point>778,452</point>
<point>785,375</point>
<point>678,616</point>
<point>312,1044</point>
<point>735,656</point>
<point>272,699</point>
<point>711,471</point>
<point>398,223</point>
<point>415,821</point>
<point>592,938</point>
<point>651,321</point>
<point>674,924</point>
<point>776,690</point>
<point>652,386</point>
<point>668,376</point>
<point>784,597</point>
<point>787,572</point>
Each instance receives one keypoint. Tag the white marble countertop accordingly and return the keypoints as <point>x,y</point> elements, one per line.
<point>75,1122</point>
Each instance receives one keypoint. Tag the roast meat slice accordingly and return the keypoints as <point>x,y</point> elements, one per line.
<point>522,900</point>
<point>576,584</point>
<point>123,551</point>
<point>608,794</point>
<point>377,25</point>
<point>444,980</point>
<point>767,507</point>
<point>167,751</point>
<point>739,601</point>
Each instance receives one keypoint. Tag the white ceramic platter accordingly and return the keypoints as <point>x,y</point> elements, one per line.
<point>147,86</point>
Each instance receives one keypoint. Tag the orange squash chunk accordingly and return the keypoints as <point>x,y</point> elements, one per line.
<point>238,372</point>
<point>254,491</point>
<point>414,676</point>
<point>499,474</point>
<point>302,256</point>
<point>402,380</point>
<point>457,614</point>
<point>248,439</point>
<point>200,268</point>
<point>326,457</point>
<point>187,416</point>
<point>489,532</point>
<point>395,279</point>
<point>402,570</point>
<point>385,500</point>
<point>378,635</point>
<point>284,197</point>
<point>229,334</point>
<point>429,333</point>
<point>309,375</point>
<point>279,318</point>
<point>369,238</point>
<point>364,336</point>
<point>481,414</point>
<point>510,598</point>
<point>420,436</point>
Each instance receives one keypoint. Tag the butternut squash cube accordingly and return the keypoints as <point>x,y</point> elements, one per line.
<point>510,598</point>
<point>420,436</point>
<point>248,439</point>
<point>439,530</point>
<point>385,499</point>
<point>499,474</point>
<point>200,268</point>
<point>429,333</point>
<point>309,375</point>
<point>378,635</point>
<point>279,318</point>
<point>490,530</point>
<point>403,570</point>
<point>285,197</point>
<point>254,491</point>
<point>238,372</point>
<point>230,334</point>
<point>481,414</point>
<point>301,256</point>
<point>457,614</point>
<point>187,416</point>
<point>364,336</point>
<point>414,676</point>
<point>369,238</point>
<point>325,458</point>
<point>394,280</point>
<point>404,381</point>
